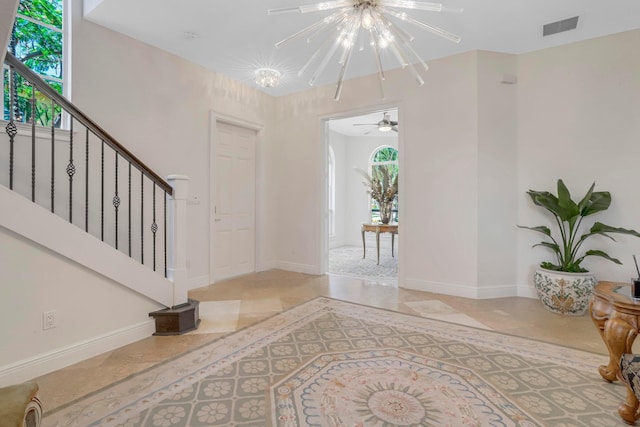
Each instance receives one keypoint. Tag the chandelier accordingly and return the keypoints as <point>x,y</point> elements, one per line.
<point>361,22</point>
<point>267,77</point>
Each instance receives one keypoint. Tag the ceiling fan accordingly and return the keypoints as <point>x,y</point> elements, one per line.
<point>384,125</point>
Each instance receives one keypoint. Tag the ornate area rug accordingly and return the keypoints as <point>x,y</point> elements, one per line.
<point>333,363</point>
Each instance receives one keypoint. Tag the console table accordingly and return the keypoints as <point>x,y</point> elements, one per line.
<point>616,315</point>
<point>379,228</point>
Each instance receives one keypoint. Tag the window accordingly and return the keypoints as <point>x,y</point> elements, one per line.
<point>332,192</point>
<point>38,41</point>
<point>387,157</point>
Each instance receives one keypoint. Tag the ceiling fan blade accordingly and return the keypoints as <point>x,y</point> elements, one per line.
<point>393,123</point>
<point>395,129</point>
<point>364,124</point>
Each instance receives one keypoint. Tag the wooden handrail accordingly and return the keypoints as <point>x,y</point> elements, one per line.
<point>78,115</point>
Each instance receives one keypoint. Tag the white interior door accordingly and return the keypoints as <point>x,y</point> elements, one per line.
<point>234,201</point>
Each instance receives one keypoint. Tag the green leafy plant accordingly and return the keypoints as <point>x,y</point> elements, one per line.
<point>569,215</point>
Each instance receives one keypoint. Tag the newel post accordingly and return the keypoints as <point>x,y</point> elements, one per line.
<point>177,238</point>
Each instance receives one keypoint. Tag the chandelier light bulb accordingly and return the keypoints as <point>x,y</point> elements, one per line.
<point>268,77</point>
<point>367,19</point>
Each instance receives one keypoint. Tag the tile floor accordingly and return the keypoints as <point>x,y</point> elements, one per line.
<point>230,305</point>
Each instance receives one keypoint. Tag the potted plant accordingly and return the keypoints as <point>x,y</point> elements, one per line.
<point>564,286</point>
<point>382,185</point>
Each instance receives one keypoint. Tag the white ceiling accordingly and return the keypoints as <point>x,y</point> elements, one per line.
<point>235,37</point>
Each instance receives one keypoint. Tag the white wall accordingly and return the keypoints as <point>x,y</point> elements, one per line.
<point>158,106</point>
<point>338,143</point>
<point>497,175</point>
<point>359,150</point>
<point>470,147</point>
<point>353,152</point>
<point>576,114</point>
<point>438,157</point>
<point>93,314</point>
<point>578,110</point>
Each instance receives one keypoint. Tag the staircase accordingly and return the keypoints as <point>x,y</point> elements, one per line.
<point>70,189</point>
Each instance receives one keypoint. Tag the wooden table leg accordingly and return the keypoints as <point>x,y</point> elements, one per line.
<point>629,409</point>
<point>378,244</point>
<point>393,235</point>
<point>619,336</point>
<point>364,247</point>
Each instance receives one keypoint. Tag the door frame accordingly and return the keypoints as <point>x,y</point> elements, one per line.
<point>214,119</point>
<point>322,260</point>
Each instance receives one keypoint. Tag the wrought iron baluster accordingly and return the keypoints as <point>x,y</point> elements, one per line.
<point>86,184</point>
<point>129,209</point>
<point>154,226</point>
<point>141,217</point>
<point>31,110</point>
<point>53,156</point>
<point>12,131</point>
<point>102,193</point>
<point>33,143</point>
<point>11,128</point>
<point>165,234</point>
<point>116,200</point>
<point>71,170</point>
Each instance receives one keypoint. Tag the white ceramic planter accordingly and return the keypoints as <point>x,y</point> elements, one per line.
<point>564,293</point>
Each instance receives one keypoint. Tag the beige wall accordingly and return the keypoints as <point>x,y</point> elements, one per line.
<point>159,106</point>
<point>497,174</point>
<point>574,115</point>
<point>470,148</point>
<point>439,160</point>
<point>93,314</point>
<point>578,110</point>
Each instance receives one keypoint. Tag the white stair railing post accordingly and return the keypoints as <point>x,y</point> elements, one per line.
<point>177,238</point>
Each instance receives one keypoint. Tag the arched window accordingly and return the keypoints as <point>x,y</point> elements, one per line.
<point>387,157</point>
<point>331,194</point>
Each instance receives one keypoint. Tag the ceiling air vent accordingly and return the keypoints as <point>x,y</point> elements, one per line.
<point>560,26</point>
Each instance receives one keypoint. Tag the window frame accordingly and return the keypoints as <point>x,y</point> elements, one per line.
<point>372,211</point>
<point>65,80</point>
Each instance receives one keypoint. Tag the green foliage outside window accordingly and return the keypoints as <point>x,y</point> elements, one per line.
<point>387,158</point>
<point>39,46</point>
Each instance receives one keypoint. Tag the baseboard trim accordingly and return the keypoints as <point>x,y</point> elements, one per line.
<point>440,288</point>
<point>45,363</point>
<point>527,292</point>
<point>267,265</point>
<point>298,268</point>
<point>500,291</point>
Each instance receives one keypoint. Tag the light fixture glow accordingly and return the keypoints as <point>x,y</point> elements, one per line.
<point>268,77</point>
<point>353,20</point>
<point>384,127</point>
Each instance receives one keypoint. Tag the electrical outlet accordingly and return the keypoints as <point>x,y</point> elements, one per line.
<point>48,320</point>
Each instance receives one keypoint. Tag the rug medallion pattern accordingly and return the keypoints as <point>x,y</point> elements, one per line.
<point>332,363</point>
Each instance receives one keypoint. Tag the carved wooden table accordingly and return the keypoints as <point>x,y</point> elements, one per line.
<point>616,314</point>
<point>379,228</point>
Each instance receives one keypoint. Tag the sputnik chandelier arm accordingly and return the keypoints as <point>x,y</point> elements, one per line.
<point>354,19</point>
